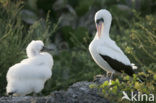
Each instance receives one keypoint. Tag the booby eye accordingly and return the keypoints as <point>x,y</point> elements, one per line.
<point>99,20</point>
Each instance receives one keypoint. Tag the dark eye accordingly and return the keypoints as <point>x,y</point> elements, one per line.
<point>99,20</point>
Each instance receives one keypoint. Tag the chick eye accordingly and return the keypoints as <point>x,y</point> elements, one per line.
<point>99,20</point>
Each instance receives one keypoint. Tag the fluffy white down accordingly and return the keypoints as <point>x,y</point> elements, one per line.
<point>30,74</point>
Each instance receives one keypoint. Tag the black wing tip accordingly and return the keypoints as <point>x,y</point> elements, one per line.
<point>118,65</point>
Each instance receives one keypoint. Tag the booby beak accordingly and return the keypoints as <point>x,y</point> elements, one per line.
<point>46,49</point>
<point>99,26</point>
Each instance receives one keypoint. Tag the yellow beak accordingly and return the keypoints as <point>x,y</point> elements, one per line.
<point>99,28</point>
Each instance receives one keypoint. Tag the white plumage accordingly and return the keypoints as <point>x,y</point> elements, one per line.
<point>30,74</point>
<point>104,50</point>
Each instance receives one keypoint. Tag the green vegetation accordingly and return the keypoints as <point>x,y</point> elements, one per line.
<point>134,30</point>
<point>114,91</point>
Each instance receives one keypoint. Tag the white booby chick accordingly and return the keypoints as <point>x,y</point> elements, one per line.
<point>104,50</point>
<point>30,75</point>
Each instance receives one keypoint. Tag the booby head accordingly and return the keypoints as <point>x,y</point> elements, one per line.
<point>35,47</point>
<point>103,20</point>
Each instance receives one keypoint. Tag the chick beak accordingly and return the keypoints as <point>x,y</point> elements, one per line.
<point>99,28</point>
<point>46,49</point>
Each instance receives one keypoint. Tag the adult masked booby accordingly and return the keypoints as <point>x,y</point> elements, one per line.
<point>104,50</point>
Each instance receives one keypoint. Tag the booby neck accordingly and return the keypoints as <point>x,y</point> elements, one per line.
<point>104,31</point>
<point>34,48</point>
<point>103,19</point>
<point>33,53</point>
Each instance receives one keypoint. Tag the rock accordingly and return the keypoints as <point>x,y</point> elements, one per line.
<point>99,79</point>
<point>77,93</point>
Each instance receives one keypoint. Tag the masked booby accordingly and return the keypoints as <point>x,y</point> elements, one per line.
<point>30,75</point>
<point>105,51</point>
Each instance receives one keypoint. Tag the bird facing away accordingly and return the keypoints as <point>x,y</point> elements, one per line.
<point>30,75</point>
<point>104,50</point>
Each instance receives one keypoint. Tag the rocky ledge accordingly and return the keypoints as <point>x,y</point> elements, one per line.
<point>77,93</point>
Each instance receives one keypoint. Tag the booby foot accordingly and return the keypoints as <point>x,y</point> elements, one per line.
<point>100,78</point>
<point>10,94</point>
<point>110,76</point>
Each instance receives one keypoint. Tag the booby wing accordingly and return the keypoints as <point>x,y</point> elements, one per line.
<point>110,49</point>
<point>117,65</point>
<point>114,56</point>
